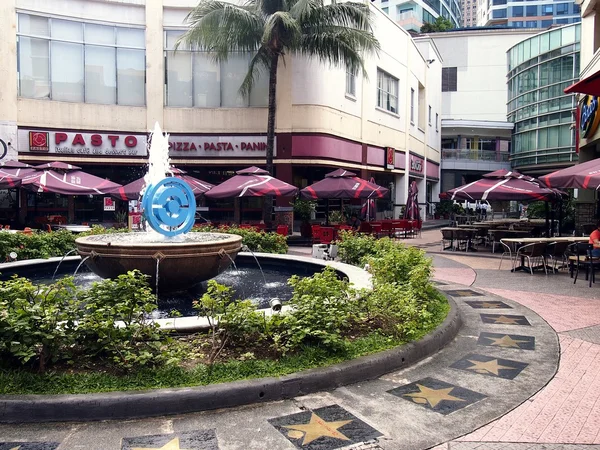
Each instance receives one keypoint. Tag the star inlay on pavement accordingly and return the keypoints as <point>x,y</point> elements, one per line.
<point>504,319</point>
<point>506,340</point>
<point>488,365</point>
<point>463,293</point>
<point>488,305</point>
<point>324,428</point>
<point>190,440</point>
<point>437,395</point>
<point>29,445</point>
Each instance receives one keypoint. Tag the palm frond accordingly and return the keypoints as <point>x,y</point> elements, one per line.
<point>339,46</point>
<point>281,30</point>
<point>268,7</point>
<point>347,14</point>
<point>301,10</point>
<point>261,60</point>
<point>221,28</point>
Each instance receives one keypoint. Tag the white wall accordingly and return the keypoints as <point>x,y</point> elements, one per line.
<point>480,59</point>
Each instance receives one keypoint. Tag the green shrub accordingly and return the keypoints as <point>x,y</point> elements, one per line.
<point>257,241</point>
<point>353,248</point>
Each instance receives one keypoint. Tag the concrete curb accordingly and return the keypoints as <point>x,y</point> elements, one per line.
<point>132,404</point>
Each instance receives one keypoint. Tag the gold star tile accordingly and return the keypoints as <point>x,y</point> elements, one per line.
<point>487,367</point>
<point>506,341</point>
<point>171,445</point>
<point>432,396</point>
<point>491,305</point>
<point>317,428</point>
<point>507,320</point>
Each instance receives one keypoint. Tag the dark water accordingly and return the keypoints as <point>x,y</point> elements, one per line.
<point>247,283</point>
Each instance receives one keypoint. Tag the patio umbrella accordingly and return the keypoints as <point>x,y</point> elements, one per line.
<point>585,175</point>
<point>8,180</point>
<point>252,182</point>
<point>503,189</point>
<point>16,168</point>
<point>503,173</point>
<point>132,190</point>
<point>62,178</point>
<point>412,203</point>
<point>368,210</point>
<point>343,184</point>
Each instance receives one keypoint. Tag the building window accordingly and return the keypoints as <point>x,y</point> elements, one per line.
<point>387,91</point>
<point>562,21</point>
<point>499,13</point>
<point>546,23</point>
<point>350,83</point>
<point>562,9</point>
<point>517,11</point>
<point>80,62</point>
<point>547,10</point>
<point>437,122</point>
<point>429,118</point>
<point>385,10</point>
<point>412,106</point>
<point>531,11</point>
<point>531,24</point>
<point>518,24</point>
<point>449,83</point>
<point>194,79</point>
<point>421,122</point>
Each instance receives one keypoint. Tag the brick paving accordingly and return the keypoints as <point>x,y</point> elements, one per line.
<point>566,413</point>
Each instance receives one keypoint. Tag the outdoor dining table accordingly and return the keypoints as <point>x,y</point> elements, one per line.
<point>530,240</point>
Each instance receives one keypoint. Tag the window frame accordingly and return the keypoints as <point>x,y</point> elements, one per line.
<point>449,79</point>
<point>388,80</point>
<point>412,106</point>
<point>350,83</point>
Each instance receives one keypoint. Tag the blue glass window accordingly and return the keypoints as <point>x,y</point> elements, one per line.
<point>532,10</point>
<point>546,23</point>
<point>562,21</point>
<point>531,24</point>
<point>499,14</point>
<point>518,24</point>
<point>562,8</point>
<point>547,9</point>
<point>517,11</point>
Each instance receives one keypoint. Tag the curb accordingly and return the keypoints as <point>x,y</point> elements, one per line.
<point>133,404</point>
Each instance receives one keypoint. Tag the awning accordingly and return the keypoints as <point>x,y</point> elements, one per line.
<point>589,85</point>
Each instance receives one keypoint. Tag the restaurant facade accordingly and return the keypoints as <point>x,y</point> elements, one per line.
<point>85,81</point>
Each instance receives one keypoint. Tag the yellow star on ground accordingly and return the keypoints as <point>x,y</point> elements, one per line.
<point>507,320</point>
<point>16,448</point>
<point>506,341</point>
<point>433,396</point>
<point>316,428</point>
<point>171,445</point>
<point>491,305</point>
<point>487,367</point>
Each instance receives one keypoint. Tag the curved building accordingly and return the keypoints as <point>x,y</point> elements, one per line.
<point>84,81</point>
<point>539,69</point>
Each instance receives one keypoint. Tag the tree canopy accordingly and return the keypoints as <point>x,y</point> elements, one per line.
<point>440,24</point>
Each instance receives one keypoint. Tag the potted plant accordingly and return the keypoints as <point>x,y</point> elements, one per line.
<point>303,211</point>
<point>121,219</point>
<point>336,217</point>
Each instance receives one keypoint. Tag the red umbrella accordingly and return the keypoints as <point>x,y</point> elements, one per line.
<point>501,189</point>
<point>343,184</point>
<point>252,182</point>
<point>132,190</point>
<point>584,176</point>
<point>503,173</point>
<point>412,203</point>
<point>62,178</point>
<point>8,180</point>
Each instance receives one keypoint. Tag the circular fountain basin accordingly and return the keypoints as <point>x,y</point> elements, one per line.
<point>180,262</point>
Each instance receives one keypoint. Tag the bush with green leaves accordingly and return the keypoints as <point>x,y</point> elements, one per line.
<point>257,241</point>
<point>46,324</point>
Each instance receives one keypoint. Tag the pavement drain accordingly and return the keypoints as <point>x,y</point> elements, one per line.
<point>504,319</point>
<point>436,395</point>
<point>324,428</point>
<point>29,445</point>
<point>463,293</point>
<point>488,305</point>
<point>487,365</point>
<point>506,340</point>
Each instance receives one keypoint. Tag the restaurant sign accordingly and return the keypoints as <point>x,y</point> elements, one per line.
<point>82,144</point>
<point>390,157</point>
<point>218,146</point>
<point>589,117</point>
<point>416,165</point>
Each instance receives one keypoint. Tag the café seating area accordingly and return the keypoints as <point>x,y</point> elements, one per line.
<point>401,228</point>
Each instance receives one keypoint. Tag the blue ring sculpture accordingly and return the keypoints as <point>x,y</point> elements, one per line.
<point>169,206</point>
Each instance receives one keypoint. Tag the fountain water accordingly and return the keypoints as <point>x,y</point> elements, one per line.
<point>172,258</point>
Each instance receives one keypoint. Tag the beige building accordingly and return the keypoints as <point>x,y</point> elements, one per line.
<point>84,81</point>
<point>469,13</point>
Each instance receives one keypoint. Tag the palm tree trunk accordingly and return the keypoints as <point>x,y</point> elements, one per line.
<point>268,200</point>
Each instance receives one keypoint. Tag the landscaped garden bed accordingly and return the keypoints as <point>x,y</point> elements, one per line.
<point>59,338</point>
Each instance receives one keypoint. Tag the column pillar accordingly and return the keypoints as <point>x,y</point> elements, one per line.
<point>155,65</point>
<point>8,75</point>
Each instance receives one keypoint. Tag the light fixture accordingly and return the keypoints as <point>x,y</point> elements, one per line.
<point>430,61</point>
<point>13,256</point>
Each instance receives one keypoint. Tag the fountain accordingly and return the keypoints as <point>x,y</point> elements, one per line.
<point>172,258</point>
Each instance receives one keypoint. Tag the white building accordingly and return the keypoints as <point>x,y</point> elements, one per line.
<point>531,14</point>
<point>475,132</point>
<point>83,82</point>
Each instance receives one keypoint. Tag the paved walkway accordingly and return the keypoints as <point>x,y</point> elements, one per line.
<point>482,391</point>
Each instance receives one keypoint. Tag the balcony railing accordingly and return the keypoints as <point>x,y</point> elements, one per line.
<point>475,155</point>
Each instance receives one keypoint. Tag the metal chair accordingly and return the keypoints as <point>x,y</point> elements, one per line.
<point>510,248</point>
<point>581,256</point>
<point>555,251</point>
<point>447,236</point>
<point>533,251</point>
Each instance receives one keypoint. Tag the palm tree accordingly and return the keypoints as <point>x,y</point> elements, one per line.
<point>337,33</point>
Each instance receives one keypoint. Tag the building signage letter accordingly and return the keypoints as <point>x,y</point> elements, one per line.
<point>589,117</point>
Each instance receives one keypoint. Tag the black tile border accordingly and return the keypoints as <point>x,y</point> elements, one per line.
<point>159,402</point>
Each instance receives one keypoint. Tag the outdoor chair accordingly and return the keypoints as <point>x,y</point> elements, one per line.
<point>510,249</point>
<point>581,257</point>
<point>533,252</point>
<point>556,251</point>
<point>327,235</point>
<point>386,229</point>
<point>365,227</point>
<point>282,230</point>
<point>463,237</point>
<point>447,236</point>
